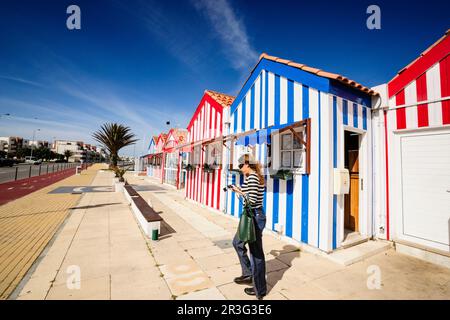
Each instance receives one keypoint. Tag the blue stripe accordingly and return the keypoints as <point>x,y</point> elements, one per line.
<point>341,90</point>
<point>233,195</point>
<point>334,237</point>
<point>289,206</point>
<point>241,181</point>
<point>355,115</point>
<point>305,178</point>
<point>266,106</point>
<point>252,108</point>
<point>260,102</point>
<point>305,102</point>
<point>276,189</point>
<point>318,189</point>
<point>290,101</point>
<point>364,109</point>
<point>305,198</point>
<point>345,111</point>
<point>243,107</point>
<point>277,100</point>
<point>297,75</point>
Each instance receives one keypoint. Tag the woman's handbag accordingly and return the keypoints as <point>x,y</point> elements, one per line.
<point>246,229</point>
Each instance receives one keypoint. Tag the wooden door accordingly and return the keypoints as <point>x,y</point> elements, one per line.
<point>351,217</point>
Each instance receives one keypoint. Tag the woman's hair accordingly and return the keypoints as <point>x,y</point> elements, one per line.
<point>255,166</point>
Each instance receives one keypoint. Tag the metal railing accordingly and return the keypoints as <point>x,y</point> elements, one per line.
<point>22,171</point>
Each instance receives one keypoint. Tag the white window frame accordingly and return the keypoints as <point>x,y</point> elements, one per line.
<point>301,148</point>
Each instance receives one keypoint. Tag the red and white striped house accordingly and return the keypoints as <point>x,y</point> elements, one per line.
<point>204,176</point>
<point>157,157</point>
<point>415,178</point>
<point>172,158</point>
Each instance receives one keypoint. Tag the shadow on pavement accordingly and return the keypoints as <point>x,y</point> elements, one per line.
<point>96,205</point>
<point>276,275</point>
<point>166,230</point>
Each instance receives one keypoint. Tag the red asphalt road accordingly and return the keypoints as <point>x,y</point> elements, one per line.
<point>13,190</point>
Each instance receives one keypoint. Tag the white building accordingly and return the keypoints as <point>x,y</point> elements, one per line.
<point>35,144</point>
<point>76,147</point>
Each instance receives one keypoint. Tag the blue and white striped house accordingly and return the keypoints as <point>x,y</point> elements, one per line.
<point>150,151</point>
<point>277,95</point>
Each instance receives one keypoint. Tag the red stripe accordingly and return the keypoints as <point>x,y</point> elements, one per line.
<point>212,189</point>
<point>387,175</point>
<point>422,109</point>
<point>207,190</point>
<point>211,134</point>
<point>400,112</point>
<point>444,68</point>
<point>219,174</point>
<point>192,185</point>
<point>188,185</point>
<point>420,66</point>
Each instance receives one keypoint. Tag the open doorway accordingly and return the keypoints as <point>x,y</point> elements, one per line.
<point>351,200</point>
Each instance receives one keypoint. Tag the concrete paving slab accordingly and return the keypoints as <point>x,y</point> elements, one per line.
<point>359,252</point>
<point>207,294</point>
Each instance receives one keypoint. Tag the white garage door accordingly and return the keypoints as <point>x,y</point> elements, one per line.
<point>425,172</point>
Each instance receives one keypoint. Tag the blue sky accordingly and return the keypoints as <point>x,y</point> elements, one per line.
<point>142,63</point>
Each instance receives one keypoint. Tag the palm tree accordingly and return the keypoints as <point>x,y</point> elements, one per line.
<point>113,137</point>
<point>68,154</point>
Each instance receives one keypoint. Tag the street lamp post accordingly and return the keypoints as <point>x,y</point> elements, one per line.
<point>34,136</point>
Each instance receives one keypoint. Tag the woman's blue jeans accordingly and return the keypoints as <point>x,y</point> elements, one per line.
<point>256,266</point>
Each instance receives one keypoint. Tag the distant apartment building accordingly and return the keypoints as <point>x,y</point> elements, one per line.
<point>11,144</point>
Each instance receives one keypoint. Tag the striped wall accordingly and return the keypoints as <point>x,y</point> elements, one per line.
<point>151,150</point>
<point>206,123</point>
<point>304,206</point>
<point>157,171</point>
<point>422,103</point>
<point>430,86</point>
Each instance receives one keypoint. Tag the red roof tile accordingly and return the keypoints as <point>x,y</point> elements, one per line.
<point>224,100</point>
<point>320,73</point>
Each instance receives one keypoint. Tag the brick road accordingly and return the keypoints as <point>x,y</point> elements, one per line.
<point>29,223</point>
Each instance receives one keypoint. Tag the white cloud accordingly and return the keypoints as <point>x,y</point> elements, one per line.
<point>21,80</point>
<point>231,32</point>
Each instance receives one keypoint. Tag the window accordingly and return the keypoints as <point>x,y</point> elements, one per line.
<point>214,154</point>
<point>197,154</point>
<point>291,151</point>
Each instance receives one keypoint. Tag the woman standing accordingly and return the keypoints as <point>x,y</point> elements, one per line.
<point>253,191</point>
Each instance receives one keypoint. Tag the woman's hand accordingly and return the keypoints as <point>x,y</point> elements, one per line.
<point>236,189</point>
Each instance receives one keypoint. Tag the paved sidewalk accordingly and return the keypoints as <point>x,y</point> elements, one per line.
<point>194,258</point>
<point>198,261</point>
<point>27,225</point>
<point>102,241</point>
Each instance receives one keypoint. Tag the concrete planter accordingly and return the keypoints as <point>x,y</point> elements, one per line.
<point>119,186</point>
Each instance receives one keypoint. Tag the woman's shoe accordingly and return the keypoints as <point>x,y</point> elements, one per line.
<point>250,291</point>
<point>243,280</point>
